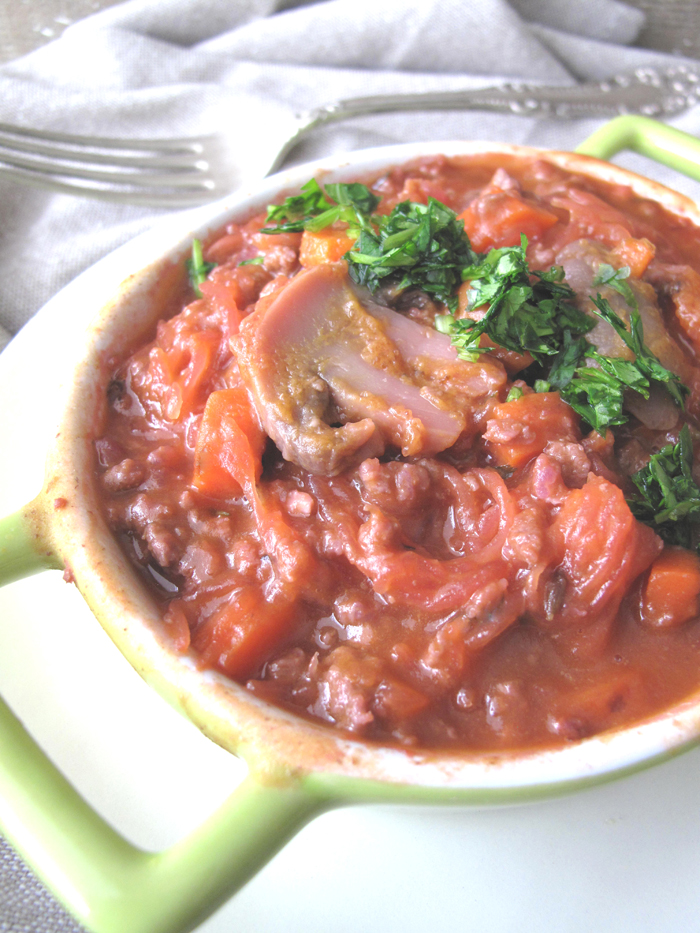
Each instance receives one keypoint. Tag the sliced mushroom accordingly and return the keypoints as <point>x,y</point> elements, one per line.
<point>336,378</point>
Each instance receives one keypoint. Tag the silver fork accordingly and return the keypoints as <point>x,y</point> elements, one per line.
<point>186,172</point>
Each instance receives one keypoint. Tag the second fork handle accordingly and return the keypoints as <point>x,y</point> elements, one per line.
<point>578,100</point>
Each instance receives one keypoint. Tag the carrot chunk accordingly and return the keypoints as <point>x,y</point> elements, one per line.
<point>323,247</point>
<point>497,218</point>
<point>600,549</point>
<point>519,430</point>
<point>228,453</point>
<point>670,596</point>
<point>223,297</point>
<point>637,254</point>
<point>240,636</point>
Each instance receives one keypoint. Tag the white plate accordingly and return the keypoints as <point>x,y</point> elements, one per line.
<point>622,857</point>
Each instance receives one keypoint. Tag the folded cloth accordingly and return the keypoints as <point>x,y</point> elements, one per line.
<point>178,67</point>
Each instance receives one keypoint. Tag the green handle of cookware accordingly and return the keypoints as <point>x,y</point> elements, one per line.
<point>109,885</point>
<point>22,548</point>
<point>665,144</point>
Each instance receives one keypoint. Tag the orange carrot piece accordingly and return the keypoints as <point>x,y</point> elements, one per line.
<point>498,218</point>
<point>670,596</point>
<point>519,430</point>
<point>463,297</point>
<point>240,636</point>
<point>323,247</point>
<point>228,452</point>
<point>637,254</point>
<point>225,298</point>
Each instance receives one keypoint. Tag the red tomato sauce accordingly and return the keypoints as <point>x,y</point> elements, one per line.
<point>340,515</point>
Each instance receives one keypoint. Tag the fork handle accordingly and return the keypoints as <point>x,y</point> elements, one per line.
<point>579,100</point>
<point>604,99</point>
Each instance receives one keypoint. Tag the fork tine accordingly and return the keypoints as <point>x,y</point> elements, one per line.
<point>175,154</point>
<point>154,172</point>
<point>190,144</point>
<point>143,196</point>
<point>159,172</point>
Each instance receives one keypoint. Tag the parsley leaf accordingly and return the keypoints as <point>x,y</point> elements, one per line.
<point>356,197</point>
<point>668,497</point>
<point>293,213</point>
<point>567,361</point>
<point>197,268</point>
<point>645,361</point>
<point>417,245</point>
<point>525,314</point>
<point>312,210</point>
<point>597,392</point>
<point>617,279</point>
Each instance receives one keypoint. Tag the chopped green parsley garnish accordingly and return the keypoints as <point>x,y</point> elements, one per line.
<point>645,361</point>
<point>525,316</point>
<point>617,279</point>
<point>292,215</point>
<point>597,393</point>
<point>416,246</point>
<point>197,268</point>
<point>668,497</point>
<point>352,203</point>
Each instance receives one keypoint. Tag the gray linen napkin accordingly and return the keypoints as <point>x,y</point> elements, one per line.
<point>149,67</point>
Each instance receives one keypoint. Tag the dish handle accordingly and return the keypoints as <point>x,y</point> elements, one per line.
<point>107,883</point>
<point>23,549</point>
<point>665,144</point>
